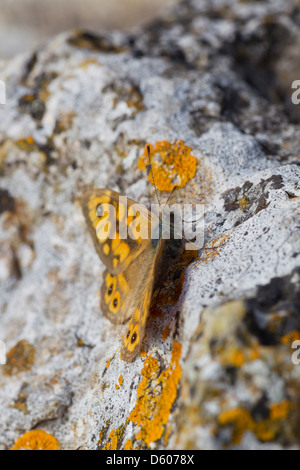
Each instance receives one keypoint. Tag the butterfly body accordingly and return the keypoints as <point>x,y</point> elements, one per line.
<point>131,263</point>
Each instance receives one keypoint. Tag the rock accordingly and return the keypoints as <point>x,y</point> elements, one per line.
<point>216,368</point>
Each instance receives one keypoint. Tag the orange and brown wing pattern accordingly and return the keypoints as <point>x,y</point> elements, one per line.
<point>131,259</point>
<point>107,213</point>
<point>135,331</point>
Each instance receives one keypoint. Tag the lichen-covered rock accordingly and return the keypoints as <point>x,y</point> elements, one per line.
<point>216,367</point>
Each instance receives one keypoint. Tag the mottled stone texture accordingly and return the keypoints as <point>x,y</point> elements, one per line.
<point>216,369</point>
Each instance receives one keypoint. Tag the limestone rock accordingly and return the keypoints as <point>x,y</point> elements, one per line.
<point>216,369</point>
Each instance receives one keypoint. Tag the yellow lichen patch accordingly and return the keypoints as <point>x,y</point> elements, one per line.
<point>237,358</point>
<point>28,144</point>
<point>36,440</point>
<point>172,164</point>
<point>243,203</point>
<point>128,445</point>
<point>167,435</point>
<point>120,380</point>
<point>114,441</point>
<point>280,410</point>
<point>254,353</point>
<point>232,355</point>
<point>19,358</point>
<point>290,337</point>
<point>212,248</point>
<point>28,98</point>
<point>115,437</point>
<point>103,433</point>
<point>240,419</point>
<point>264,430</point>
<point>156,395</point>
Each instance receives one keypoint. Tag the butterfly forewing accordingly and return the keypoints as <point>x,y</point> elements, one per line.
<point>107,213</point>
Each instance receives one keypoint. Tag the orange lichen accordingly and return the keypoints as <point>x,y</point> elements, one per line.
<point>108,364</point>
<point>128,445</point>
<point>241,420</point>
<point>290,337</point>
<point>212,248</point>
<point>243,203</point>
<point>28,144</point>
<point>172,164</point>
<point>232,355</point>
<point>155,397</point>
<point>167,435</point>
<point>254,353</point>
<point>28,98</point>
<point>103,432</point>
<point>264,430</point>
<point>30,140</point>
<point>280,410</point>
<point>36,440</point>
<point>115,437</point>
<point>237,358</point>
<point>19,358</point>
<point>114,441</point>
<point>166,333</point>
<point>120,380</point>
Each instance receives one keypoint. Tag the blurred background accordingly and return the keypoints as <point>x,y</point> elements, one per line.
<point>24,24</point>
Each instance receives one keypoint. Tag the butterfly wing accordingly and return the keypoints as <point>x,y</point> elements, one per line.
<point>119,291</point>
<point>131,262</point>
<point>133,338</point>
<point>107,214</point>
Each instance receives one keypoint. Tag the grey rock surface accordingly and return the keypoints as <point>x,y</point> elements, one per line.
<point>216,369</point>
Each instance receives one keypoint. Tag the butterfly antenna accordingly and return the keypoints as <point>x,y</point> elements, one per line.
<point>151,169</point>
<point>170,195</point>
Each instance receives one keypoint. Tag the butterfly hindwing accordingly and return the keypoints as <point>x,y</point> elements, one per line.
<point>135,331</point>
<point>120,291</point>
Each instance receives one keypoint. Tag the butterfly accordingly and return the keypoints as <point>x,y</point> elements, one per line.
<point>130,241</point>
<point>131,263</point>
